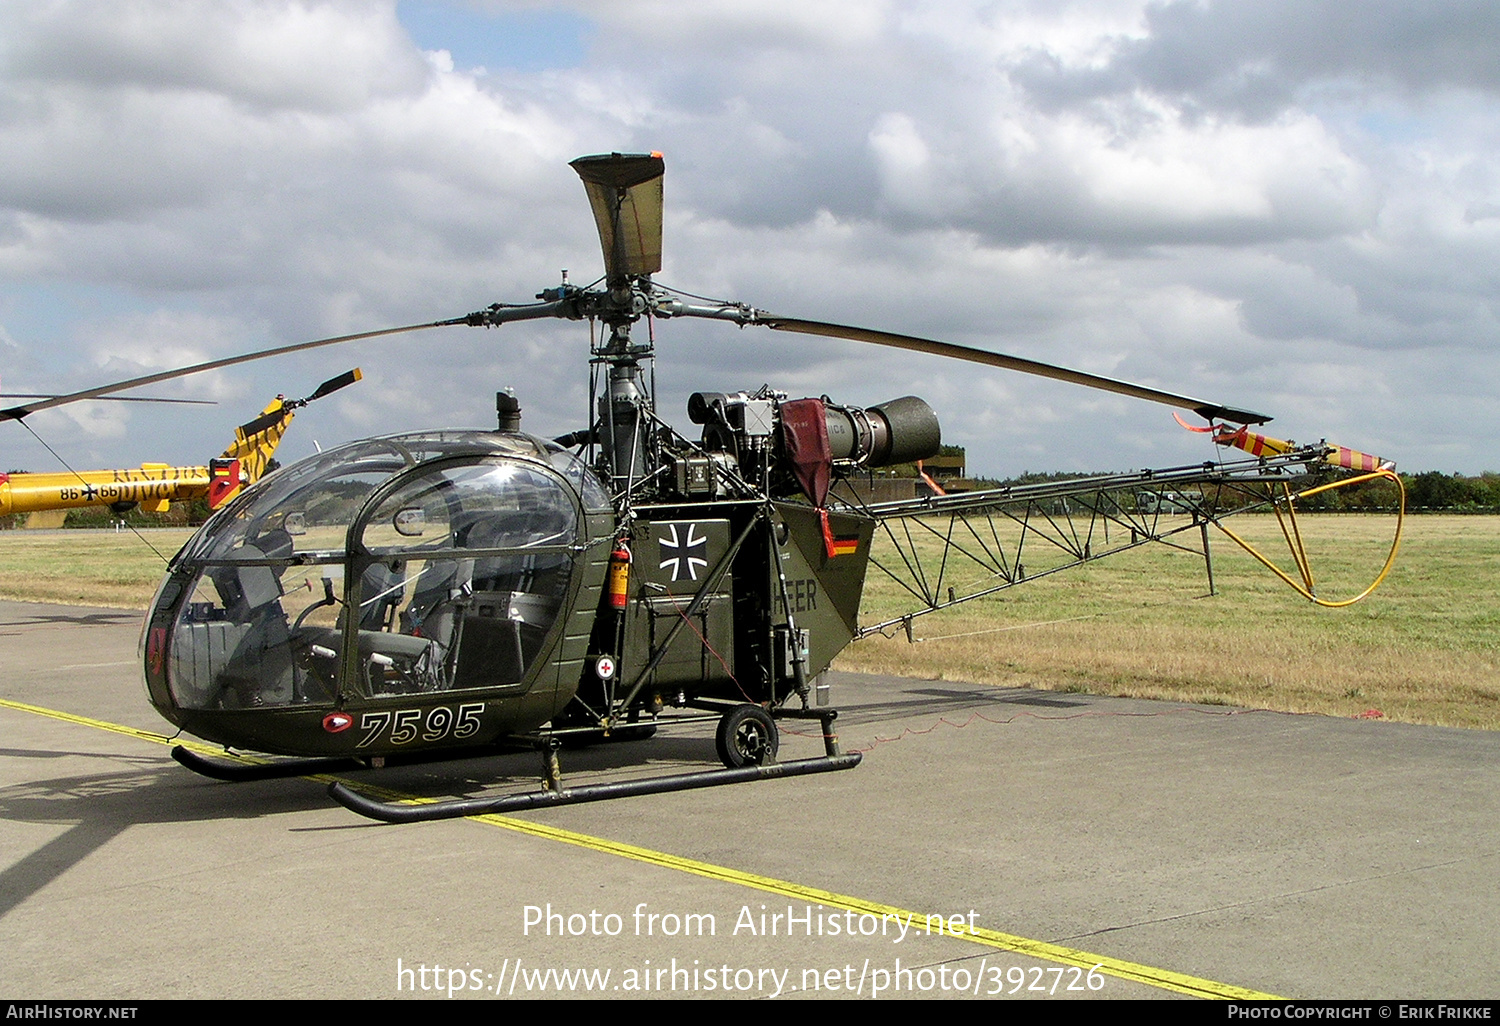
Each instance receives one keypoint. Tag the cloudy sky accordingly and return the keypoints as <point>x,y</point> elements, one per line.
<point>1285,205</point>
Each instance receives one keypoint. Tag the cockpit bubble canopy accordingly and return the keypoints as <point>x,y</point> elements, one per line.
<point>360,570</point>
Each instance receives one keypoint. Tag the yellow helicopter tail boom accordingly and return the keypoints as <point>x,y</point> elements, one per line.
<point>154,486</point>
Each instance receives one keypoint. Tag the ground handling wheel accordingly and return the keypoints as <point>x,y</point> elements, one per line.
<point>747,736</point>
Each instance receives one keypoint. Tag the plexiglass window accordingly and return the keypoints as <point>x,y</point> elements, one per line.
<point>452,580</point>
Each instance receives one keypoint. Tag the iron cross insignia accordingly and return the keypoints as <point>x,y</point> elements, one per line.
<point>684,552</point>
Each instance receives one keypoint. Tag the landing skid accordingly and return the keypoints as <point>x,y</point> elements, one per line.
<point>244,772</point>
<point>746,741</point>
<point>391,812</point>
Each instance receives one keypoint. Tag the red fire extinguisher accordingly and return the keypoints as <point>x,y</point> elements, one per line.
<point>618,581</point>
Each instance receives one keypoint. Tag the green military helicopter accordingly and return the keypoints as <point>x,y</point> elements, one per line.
<point>450,590</point>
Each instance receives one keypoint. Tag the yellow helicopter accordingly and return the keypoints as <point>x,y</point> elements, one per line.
<point>153,487</point>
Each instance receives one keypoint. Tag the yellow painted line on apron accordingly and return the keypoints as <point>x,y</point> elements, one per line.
<point>116,728</point>
<point>1135,972</point>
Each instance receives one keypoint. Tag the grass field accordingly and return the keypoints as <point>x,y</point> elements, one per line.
<point>91,568</point>
<point>1425,648</point>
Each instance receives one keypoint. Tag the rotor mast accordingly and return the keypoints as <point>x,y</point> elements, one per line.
<point>625,192</point>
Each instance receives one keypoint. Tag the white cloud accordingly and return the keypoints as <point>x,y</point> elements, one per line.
<point>1190,195</point>
<point>753,24</point>
<point>286,55</point>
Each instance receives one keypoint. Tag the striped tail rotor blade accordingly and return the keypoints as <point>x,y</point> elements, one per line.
<point>1252,442</point>
<point>1353,459</point>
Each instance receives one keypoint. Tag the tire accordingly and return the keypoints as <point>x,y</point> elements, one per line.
<point>747,736</point>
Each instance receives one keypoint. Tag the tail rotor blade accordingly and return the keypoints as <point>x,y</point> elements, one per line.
<point>266,420</point>
<point>332,385</point>
<point>262,422</point>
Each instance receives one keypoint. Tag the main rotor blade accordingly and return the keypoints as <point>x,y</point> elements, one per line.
<point>913,344</point>
<point>625,192</point>
<point>17,412</point>
<point>113,398</point>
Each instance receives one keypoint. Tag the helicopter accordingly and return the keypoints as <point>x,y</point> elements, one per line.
<point>153,487</point>
<point>421,594</point>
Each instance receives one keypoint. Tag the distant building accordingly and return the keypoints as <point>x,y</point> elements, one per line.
<point>947,465</point>
<point>895,484</point>
<point>948,470</point>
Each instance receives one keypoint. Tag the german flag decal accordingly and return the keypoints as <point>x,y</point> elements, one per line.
<point>843,545</point>
<point>836,545</point>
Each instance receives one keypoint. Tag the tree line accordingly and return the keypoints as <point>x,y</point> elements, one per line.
<point>1431,491</point>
